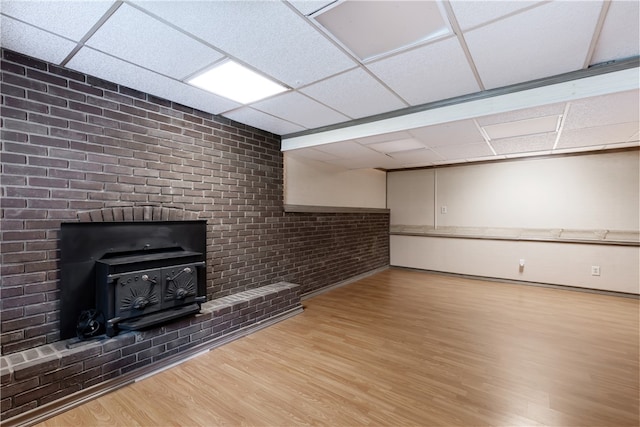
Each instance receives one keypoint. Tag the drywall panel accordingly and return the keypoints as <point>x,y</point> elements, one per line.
<point>597,191</point>
<point>410,197</point>
<point>313,183</point>
<point>552,263</point>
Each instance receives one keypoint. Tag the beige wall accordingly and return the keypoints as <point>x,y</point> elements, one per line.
<point>566,264</point>
<point>410,196</point>
<point>313,183</point>
<point>580,192</point>
<point>587,192</point>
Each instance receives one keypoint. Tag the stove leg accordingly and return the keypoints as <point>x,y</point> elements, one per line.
<point>111,330</point>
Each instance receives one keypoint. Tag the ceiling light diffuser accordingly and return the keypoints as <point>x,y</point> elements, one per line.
<point>236,82</point>
<point>523,127</point>
<point>373,28</point>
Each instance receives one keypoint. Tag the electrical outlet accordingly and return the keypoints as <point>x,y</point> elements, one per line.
<point>443,210</point>
<point>595,270</point>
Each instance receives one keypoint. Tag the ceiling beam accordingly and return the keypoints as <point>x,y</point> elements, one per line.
<point>595,83</point>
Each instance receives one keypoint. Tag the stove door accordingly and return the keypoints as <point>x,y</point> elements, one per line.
<point>138,293</point>
<point>180,285</point>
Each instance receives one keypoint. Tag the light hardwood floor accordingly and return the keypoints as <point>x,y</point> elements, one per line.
<point>406,348</point>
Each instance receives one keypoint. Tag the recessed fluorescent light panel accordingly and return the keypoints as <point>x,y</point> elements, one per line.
<point>523,127</point>
<point>373,28</point>
<point>236,82</point>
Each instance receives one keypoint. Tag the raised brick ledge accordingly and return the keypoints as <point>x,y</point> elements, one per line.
<point>42,375</point>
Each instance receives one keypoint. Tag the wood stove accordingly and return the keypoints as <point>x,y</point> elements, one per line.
<point>130,275</point>
<point>139,290</point>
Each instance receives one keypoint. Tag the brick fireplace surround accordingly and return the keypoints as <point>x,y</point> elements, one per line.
<point>78,148</point>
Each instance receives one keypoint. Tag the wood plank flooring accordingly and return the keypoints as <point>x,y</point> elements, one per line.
<point>406,348</point>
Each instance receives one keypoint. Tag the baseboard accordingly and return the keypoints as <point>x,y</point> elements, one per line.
<point>342,283</point>
<point>49,410</point>
<point>525,283</point>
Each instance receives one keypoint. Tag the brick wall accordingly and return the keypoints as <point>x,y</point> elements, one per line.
<point>73,143</point>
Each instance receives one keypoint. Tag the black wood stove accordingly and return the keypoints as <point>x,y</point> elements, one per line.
<point>130,275</point>
<point>140,290</point>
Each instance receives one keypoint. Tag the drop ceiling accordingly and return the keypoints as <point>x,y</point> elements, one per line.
<point>493,80</point>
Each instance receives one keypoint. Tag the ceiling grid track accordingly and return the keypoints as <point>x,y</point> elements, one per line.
<point>91,32</point>
<point>596,33</point>
<point>563,120</point>
<point>357,61</point>
<point>463,43</point>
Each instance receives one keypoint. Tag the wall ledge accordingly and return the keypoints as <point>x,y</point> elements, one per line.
<point>559,235</point>
<point>332,209</point>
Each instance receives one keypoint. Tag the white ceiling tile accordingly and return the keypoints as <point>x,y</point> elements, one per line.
<point>384,137</point>
<point>524,114</point>
<point>260,120</point>
<point>355,94</point>
<point>350,154</point>
<point>348,150</point>
<point>300,109</point>
<point>603,110</point>
<point>396,146</point>
<point>429,73</point>
<point>32,41</point>
<point>308,7</point>
<point>598,135</point>
<point>115,70</point>
<point>450,161</point>
<point>525,144</point>
<point>466,151</point>
<point>313,154</point>
<point>423,157</point>
<point>71,19</point>
<point>620,33</point>
<point>265,34</point>
<point>484,158</point>
<point>138,38</point>
<point>473,13</point>
<point>373,28</point>
<point>525,127</point>
<point>383,162</point>
<point>455,133</point>
<point>538,43</point>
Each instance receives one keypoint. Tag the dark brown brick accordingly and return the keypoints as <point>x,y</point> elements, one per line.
<point>65,72</point>
<point>132,92</point>
<point>35,394</point>
<point>46,77</point>
<point>13,113</point>
<point>24,59</point>
<point>48,141</point>
<point>14,91</point>
<point>48,120</point>
<point>12,68</point>
<point>14,136</point>
<point>85,108</point>
<point>23,104</point>
<point>67,114</point>
<point>80,87</point>
<point>94,81</point>
<point>23,82</point>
